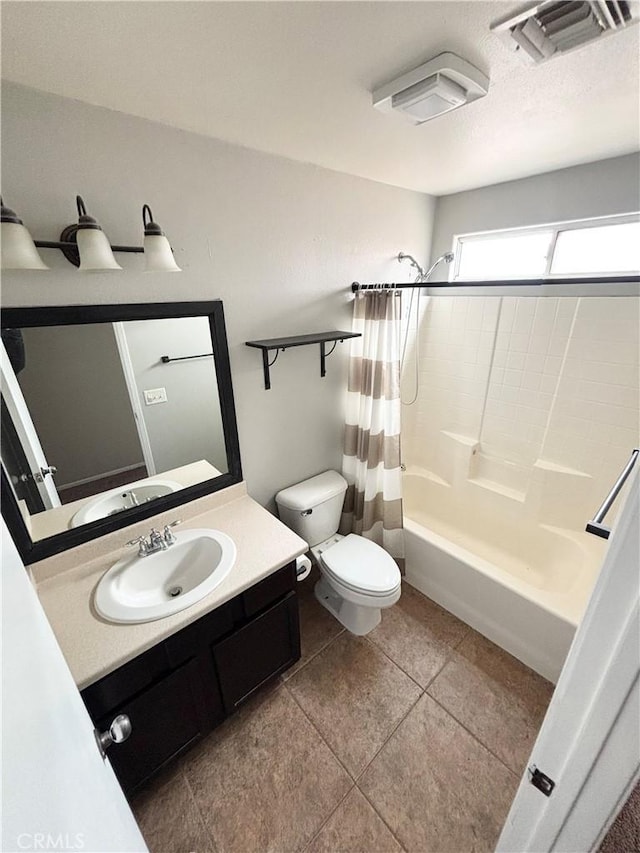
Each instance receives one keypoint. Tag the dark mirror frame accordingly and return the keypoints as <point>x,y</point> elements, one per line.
<point>68,315</point>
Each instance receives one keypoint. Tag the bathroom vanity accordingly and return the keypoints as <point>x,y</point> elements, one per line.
<point>186,685</point>
<point>178,677</point>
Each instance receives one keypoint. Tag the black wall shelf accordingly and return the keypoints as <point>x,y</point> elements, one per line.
<point>281,344</point>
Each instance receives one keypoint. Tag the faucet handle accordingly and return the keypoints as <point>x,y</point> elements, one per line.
<point>168,536</point>
<point>143,549</point>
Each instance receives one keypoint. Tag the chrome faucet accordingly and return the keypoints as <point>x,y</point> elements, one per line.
<point>157,541</point>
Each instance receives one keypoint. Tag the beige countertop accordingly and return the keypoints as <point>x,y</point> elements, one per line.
<point>66,583</point>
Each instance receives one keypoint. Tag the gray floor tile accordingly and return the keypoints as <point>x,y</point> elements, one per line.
<point>355,696</point>
<point>437,787</point>
<point>265,780</point>
<point>418,635</point>
<point>500,700</point>
<point>354,827</point>
<point>169,818</point>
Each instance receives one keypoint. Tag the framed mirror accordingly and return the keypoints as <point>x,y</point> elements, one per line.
<point>111,414</point>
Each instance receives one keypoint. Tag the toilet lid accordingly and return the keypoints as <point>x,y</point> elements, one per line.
<point>362,565</point>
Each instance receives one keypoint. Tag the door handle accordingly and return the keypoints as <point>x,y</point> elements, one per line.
<point>118,732</point>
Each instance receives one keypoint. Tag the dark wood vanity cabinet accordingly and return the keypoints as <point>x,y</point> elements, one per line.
<point>179,690</point>
<point>258,650</point>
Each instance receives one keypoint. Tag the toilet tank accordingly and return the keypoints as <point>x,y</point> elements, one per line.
<point>312,508</point>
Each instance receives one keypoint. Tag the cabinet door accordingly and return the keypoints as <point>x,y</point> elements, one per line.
<point>165,719</point>
<point>261,650</point>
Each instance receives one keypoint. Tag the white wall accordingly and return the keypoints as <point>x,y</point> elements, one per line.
<point>279,242</point>
<point>188,426</point>
<point>594,189</point>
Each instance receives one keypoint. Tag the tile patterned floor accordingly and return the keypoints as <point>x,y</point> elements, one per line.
<point>411,739</point>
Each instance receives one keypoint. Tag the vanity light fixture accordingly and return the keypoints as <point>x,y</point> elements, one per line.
<point>84,244</point>
<point>158,256</point>
<point>18,249</point>
<point>94,248</point>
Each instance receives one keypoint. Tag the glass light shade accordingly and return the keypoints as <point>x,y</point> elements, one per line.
<point>95,251</point>
<point>158,255</point>
<point>18,249</point>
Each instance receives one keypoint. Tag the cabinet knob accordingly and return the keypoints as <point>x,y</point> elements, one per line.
<point>118,732</point>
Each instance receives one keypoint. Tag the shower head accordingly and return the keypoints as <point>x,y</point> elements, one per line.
<point>447,258</point>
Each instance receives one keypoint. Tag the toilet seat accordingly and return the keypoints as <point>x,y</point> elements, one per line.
<point>361,565</point>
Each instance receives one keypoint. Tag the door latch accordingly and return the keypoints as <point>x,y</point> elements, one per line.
<point>39,476</point>
<point>541,781</point>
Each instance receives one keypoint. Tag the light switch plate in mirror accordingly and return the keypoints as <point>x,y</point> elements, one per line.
<point>75,384</point>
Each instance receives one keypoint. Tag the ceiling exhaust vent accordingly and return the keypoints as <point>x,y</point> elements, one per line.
<point>552,28</point>
<point>438,86</point>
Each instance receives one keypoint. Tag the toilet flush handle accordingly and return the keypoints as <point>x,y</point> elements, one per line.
<point>306,512</point>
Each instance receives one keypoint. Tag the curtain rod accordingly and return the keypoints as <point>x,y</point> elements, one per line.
<point>522,282</point>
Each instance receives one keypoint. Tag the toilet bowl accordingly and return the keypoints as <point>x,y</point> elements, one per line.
<point>358,580</point>
<point>358,577</point>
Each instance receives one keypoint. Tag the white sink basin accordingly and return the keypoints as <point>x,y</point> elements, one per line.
<point>142,589</point>
<point>116,500</point>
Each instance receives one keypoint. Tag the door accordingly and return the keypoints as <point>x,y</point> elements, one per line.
<point>589,743</point>
<point>58,792</point>
<point>134,397</point>
<point>37,467</point>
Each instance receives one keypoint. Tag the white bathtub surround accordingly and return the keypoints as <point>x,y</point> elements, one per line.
<point>371,461</point>
<point>527,412</point>
<point>542,385</point>
<point>480,553</point>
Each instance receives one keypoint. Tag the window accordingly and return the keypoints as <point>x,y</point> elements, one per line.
<point>608,249</point>
<point>598,247</point>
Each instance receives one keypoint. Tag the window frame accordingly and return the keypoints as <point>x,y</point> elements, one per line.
<point>556,228</point>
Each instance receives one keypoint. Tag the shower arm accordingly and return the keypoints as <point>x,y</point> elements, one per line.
<point>402,256</point>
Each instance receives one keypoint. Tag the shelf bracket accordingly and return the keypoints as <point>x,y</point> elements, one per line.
<point>266,364</point>
<point>324,354</point>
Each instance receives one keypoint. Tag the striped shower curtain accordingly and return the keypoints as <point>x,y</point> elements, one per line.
<point>371,460</point>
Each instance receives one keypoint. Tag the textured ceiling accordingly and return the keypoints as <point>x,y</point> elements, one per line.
<point>295,79</point>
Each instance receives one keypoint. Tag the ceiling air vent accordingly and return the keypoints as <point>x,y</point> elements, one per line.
<point>553,28</point>
<point>438,86</point>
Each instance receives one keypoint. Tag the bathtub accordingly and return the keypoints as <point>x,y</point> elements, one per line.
<point>521,583</point>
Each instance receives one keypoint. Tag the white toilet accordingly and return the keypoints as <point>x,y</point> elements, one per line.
<point>358,578</point>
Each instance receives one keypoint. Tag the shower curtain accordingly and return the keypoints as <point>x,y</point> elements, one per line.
<point>371,460</point>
